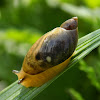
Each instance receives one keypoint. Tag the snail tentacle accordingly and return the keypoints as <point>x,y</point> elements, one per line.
<point>15,71</point>
<point>20,81</point>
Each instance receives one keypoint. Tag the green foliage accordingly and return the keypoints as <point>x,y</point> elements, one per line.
<point>75,95</point>
<point>93,75</point>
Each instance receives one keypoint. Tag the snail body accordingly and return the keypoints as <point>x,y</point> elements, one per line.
<point>49,55</point>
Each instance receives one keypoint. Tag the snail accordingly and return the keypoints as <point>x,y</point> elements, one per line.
<point>49,55</point>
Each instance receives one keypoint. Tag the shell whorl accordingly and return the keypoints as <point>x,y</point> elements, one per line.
<point>52,48</point>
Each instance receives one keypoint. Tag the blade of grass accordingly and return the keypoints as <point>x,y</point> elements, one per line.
<point>81,11</point>
<point>85,45</point>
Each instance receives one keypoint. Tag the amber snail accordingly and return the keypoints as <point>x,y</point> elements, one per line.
<point>49,55</point>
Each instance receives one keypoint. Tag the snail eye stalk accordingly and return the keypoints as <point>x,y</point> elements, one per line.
<point>15,71</point>
<point>20,81</point>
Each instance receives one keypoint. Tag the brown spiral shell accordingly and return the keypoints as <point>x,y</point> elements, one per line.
<point>52,48</point>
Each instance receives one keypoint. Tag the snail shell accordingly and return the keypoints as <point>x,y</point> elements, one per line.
<point>49,55</point>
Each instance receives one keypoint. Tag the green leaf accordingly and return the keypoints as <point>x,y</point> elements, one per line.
<point>18,92</point>
<point>82,11</point>
<point>91,74</point>
<point>75,95</point>
<point>16,42</point>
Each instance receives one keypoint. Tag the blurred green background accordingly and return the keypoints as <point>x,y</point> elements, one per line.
<point>22,22</point>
